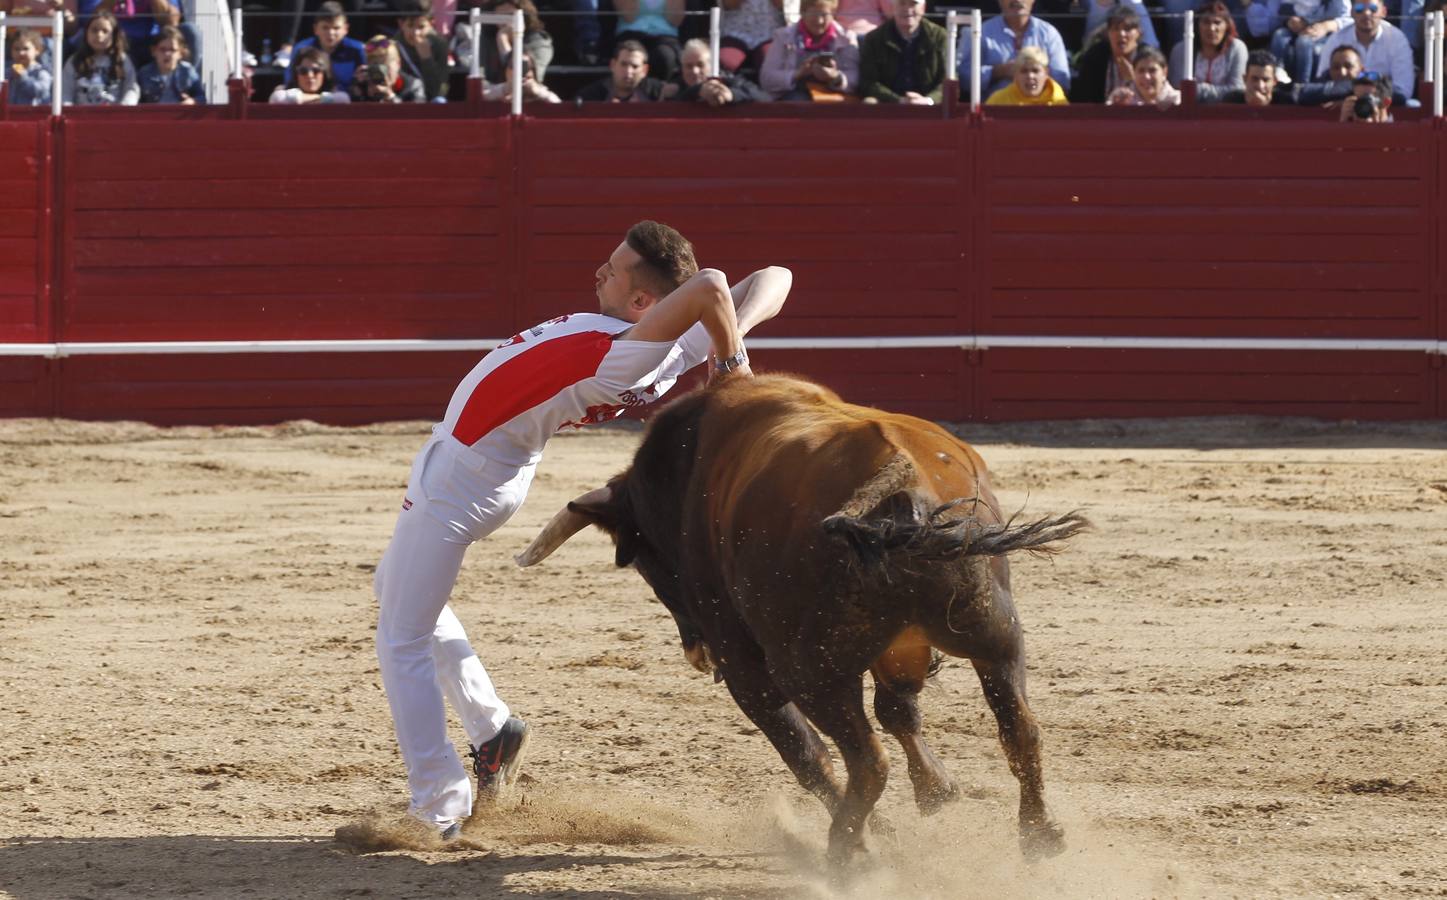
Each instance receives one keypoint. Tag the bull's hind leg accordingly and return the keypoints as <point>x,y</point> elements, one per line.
<point>1004,684</point>
<point>899,675</point>
<point>790,733</point>
<point>837,707</point>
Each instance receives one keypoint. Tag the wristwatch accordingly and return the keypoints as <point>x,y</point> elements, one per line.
<point>730,363</point>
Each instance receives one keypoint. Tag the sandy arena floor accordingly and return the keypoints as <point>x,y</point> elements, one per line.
<point>1240,676</point>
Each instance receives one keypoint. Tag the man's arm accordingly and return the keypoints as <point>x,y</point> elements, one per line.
<point>760,296</point>
<point>703,298</point>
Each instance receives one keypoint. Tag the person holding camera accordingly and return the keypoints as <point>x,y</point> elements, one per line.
<point>815,60</point>
<point>1370,101</point>
<point>382,80</point>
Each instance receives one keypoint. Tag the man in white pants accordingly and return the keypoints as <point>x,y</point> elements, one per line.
<point>659,316</point>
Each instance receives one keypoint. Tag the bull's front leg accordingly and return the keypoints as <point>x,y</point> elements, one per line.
<point>1004,684</point>
<point>796,741</point>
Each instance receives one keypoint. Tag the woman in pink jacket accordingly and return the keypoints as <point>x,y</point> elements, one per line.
<point>817,59</point>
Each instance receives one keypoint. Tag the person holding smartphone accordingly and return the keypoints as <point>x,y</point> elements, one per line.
<point>816,60</point>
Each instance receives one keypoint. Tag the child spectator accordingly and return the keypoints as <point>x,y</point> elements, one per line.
<point>903,60</point>
<point>534,91</point>
<point>45,8</point>
<point>1370,100</point>
<point>1220,54</point>
<point>313,72</point>
<point>627,80</point>
<point>424,51</point>
<point>1149,85</point>
<point>1032,85</point>
<point>169,78</point>
<point>817,59</point>
<point>30,82</point>
<point>141,21</point>
<point>1002,36</point>
<point>537,43</point>
<point>654,24</point>
<point>1106,63</point>
<point>745,28</point>
<point>330,31</point>
<point>1304,31</point>
<point>100,72</point>
<point>382,80</point>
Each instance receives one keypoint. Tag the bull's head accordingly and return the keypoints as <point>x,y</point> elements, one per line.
<point>611,509</point>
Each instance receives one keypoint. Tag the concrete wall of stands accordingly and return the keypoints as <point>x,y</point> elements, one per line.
<point>193,225</point>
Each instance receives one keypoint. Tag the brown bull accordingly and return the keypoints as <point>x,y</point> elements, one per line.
<point>800,541</point>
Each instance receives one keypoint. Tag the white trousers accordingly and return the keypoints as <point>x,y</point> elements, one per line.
<point>454,497</point>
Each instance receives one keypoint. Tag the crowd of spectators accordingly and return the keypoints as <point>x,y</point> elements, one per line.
<point>1253,52</point>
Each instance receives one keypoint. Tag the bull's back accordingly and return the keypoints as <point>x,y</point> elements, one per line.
<point>781,454</point>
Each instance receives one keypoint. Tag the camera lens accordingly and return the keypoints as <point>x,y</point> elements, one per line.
<point>1365,107</point>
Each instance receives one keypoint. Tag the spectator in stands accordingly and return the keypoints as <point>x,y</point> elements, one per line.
<point>1032,84</point>
<point>1262,88</point>
<point>746,28</point>
<point>537,43</point>
<point>168,77</point>
<point>382,80</point>
<point>628,80</point>
<point>534,91</point>
<point>587,31</point>
<point>312,71</point>
<point>1107,62</point>
<point>30,82</point>
<point>1381,45</point>
<point>1305,27</point>
<point>100,73</point>
<point>424,51</point>
<point>47,8</point>
<point>817,59</point>
<point>1343,66</point>
<point>695,85</point>
<point>1220,63</point>
<point>859,17</point>
<point>1097,13</point>
<point>141,21</point>
<point>1370,101</point>
<point>1001,39</point>
<point>654,24</point>
<point>288,26</point>
<point>903,60</point>
<point>1149,85</point>
<point>330,35</point>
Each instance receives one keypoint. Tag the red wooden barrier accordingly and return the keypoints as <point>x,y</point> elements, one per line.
<point>283,227</point>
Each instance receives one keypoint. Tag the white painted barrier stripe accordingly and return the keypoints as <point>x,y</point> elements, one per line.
<point>963,342</point>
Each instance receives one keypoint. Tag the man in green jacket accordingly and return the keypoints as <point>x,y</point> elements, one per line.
<point>903,60</point>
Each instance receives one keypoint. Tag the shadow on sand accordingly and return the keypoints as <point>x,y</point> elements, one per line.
<point>51,868</point>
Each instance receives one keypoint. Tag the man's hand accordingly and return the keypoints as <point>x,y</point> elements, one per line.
<point>915,99</point>
<point>1320,29</point>
<point>715,93</point>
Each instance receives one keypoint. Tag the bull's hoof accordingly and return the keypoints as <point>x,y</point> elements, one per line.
<point>1041,840</point>
<point>933,799</point>
<point>847,849</point>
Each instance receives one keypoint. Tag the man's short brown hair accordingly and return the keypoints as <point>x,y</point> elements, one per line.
<point>667,257</point>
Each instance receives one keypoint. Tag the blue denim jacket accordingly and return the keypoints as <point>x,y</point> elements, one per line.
<point>158,88</point>
<point>32,88</point>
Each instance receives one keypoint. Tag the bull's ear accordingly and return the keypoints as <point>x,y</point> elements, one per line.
<point>570,520</point>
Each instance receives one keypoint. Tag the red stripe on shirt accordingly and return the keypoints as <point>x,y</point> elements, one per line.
<point>534,376</point>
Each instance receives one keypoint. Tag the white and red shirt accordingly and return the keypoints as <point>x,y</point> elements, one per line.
<point>565,373</point>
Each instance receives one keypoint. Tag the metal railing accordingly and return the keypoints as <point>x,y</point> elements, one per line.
<point>55,22</point>
<point>975,20</point>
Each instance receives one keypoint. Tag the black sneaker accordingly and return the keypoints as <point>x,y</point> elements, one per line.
<point>496,762</point>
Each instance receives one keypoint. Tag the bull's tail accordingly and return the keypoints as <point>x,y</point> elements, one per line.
<point>884,523</point>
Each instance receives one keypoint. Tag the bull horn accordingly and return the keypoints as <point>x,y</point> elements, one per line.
<point>563,526</point>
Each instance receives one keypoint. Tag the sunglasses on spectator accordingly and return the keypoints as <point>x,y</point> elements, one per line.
<point>1372,76</point>
<point>310,70</point>
<point>1365,7</point>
